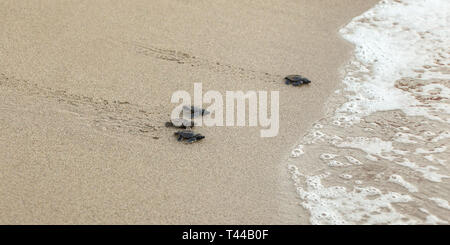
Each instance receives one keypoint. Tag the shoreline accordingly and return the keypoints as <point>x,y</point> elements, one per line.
<point>379,156</point>
<point>72,158</point>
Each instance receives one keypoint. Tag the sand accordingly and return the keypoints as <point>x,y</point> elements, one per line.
<point>85,90</point>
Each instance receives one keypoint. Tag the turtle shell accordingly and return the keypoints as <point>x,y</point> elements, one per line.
<point>295,78</point>
<point>185,134</point>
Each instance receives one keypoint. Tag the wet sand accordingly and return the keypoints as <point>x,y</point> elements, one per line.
<point>85,92</point>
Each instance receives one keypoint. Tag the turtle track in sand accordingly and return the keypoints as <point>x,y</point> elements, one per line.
<point>123,116</point>
<point>102,114</point>
<point>184,58</point>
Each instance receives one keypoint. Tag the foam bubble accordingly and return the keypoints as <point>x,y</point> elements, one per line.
<point>353,160</point>
<point>346,176</point>
<point>337,205</point>
<point>372,146</point>
<point>327,156</point>
<point>435,150</point>
<point>406,138</point>
<point>297,151</point>
<point>335,163</point>
<point>440,202</point>
<point>426,171</point>
<point>397,179</point>
<point>432,219</point>
<point>441,136</point>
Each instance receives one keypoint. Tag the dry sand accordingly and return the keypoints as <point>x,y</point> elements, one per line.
<point>85,90</point>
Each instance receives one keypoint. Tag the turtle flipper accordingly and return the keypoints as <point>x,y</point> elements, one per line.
<point>199,137</point>
<point>195,138</point>
<point>191,140</point>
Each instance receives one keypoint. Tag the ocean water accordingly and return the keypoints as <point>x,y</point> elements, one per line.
<point>381,154</point>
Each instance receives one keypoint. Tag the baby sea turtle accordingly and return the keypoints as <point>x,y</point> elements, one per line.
<point>195,111</point>
<point>296,80</point>
<point>189,136</point>
<point>180,123</point>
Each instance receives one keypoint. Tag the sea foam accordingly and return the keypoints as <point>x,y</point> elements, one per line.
<point>390,129</point>
<point>393,40</point>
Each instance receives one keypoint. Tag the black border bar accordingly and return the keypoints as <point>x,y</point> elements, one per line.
<point>234,234</point>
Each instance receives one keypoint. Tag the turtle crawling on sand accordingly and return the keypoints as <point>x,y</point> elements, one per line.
<point>296,80</point>
<point>189,136</point>
<point>195,111</point>
<point>180,123</point>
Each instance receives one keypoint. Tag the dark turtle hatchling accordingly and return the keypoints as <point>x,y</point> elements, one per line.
<point>188,136</point>
<point>296,80</point>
